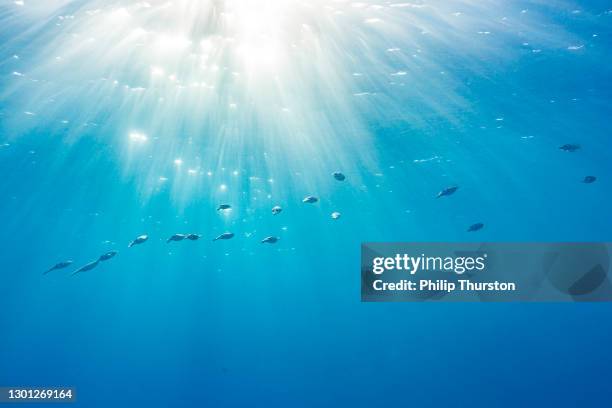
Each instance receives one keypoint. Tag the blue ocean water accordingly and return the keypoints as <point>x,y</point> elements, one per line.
<point>134,118</point>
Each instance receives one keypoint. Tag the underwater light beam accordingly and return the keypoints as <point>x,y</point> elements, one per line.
<point>276,89</point>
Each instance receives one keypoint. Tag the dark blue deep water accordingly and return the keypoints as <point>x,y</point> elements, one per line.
<point>125,118</point>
